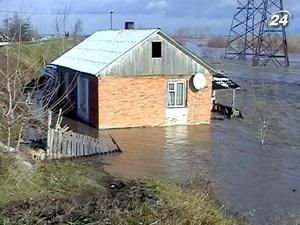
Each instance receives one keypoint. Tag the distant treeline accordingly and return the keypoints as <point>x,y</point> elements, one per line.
<point>16,29</point>
<point>204,39</point>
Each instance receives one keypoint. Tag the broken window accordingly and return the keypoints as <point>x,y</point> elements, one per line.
<point>176,94</point>
<point>156,50</point>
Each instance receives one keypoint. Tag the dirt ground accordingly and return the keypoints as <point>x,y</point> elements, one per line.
<point>119,199</point>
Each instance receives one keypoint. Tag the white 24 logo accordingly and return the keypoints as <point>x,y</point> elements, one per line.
<point>281,17</point>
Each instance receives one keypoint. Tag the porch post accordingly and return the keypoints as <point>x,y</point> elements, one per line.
<point>233,99</point>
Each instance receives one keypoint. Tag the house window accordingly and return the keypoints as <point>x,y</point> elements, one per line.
<point>156,50</point>
<point>176,94</point>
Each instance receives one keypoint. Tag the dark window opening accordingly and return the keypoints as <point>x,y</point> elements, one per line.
<point>156,49</point>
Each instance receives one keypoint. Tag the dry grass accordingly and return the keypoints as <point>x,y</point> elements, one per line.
<point>33,57</point>
<point>77,193</point>
<point>191,205</point>
<point>45,180</point>
<point>217,42</point>
<point>294,45</point>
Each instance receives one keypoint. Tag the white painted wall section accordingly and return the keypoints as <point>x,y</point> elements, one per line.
<point>176,116</point>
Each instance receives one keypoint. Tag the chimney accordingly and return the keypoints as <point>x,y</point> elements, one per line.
<point>129,25</point>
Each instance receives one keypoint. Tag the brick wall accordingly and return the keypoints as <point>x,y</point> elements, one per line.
<point>200,104</point>
<point>142,101</point>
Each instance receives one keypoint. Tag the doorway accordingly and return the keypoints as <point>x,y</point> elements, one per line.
<point>83,98</point>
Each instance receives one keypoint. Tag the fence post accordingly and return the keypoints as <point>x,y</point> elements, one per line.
<point>49,133</point>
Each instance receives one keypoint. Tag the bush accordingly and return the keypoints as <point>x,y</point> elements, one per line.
<point>217,42</point>
<point>294,45</point>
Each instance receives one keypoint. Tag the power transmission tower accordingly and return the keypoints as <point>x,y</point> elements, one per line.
<point>244,30</point>
<point>251,36</point>
<point>272,44</point>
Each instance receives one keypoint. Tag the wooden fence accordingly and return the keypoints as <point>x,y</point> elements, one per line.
<point>69,144</point>
<point>62,143</point>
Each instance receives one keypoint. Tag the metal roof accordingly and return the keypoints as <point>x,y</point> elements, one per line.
<point>221,82</point>
<point>101,49</point>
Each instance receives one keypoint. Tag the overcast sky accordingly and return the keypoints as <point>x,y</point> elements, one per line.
<point>212,16</point>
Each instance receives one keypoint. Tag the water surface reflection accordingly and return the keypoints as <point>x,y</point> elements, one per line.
<point>246,178</point>
<point>176,153</point>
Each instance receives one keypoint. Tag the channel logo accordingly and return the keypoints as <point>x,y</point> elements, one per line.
<point>280,18</point>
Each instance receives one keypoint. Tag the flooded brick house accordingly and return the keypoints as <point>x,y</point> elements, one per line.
<point>135,78</point>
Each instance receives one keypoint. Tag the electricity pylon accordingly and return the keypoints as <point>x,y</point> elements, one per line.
<point>252,36</point>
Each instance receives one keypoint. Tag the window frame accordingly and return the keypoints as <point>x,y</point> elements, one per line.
<point>184,93</point>
<point>152,48</point>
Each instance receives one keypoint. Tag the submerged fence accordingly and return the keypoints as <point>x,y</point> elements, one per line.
<point>62,143</point>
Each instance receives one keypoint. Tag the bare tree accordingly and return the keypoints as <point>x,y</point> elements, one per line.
<point>19,86</point>
<point>60,24</point>
<point>57,25</point>
<point>18,29</point>
<point>264,116</point>
<point>77,30</point>
<point>182,34</point>
<point>14,110</point>
<point>264,98</point>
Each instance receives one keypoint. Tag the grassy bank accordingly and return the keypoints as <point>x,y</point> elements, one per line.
<point>81,193</point>
<point>32,57</point>
<point>50,180</point>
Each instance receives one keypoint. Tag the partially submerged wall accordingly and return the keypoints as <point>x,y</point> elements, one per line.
<point>143,101</point>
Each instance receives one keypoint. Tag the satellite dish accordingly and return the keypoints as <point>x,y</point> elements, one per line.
<point>199,81</point>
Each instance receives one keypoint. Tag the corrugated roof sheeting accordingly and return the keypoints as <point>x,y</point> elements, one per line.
<point>101,49</point>
<point>221,82</point>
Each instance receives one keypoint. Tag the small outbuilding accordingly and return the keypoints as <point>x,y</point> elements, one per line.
<point>135,78</point>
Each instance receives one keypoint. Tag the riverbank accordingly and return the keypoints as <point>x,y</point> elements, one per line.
<point>80,192</point>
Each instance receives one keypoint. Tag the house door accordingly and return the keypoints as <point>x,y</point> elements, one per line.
<point>83,98</point>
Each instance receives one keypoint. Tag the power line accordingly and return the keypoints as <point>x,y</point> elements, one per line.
<point>52,13</point>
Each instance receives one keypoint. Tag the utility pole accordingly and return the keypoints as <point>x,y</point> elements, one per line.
<point>111,12</point>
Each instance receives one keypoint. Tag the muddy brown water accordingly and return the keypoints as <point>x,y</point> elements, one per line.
<point>260,183</point>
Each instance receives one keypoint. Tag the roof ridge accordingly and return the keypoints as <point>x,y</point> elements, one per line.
<point>119,45</point>
<point>95,53</point>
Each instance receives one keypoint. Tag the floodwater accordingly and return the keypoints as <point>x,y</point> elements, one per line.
<point>261,183</point>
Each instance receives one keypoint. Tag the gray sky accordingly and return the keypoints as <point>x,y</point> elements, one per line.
<point>213,16</point>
